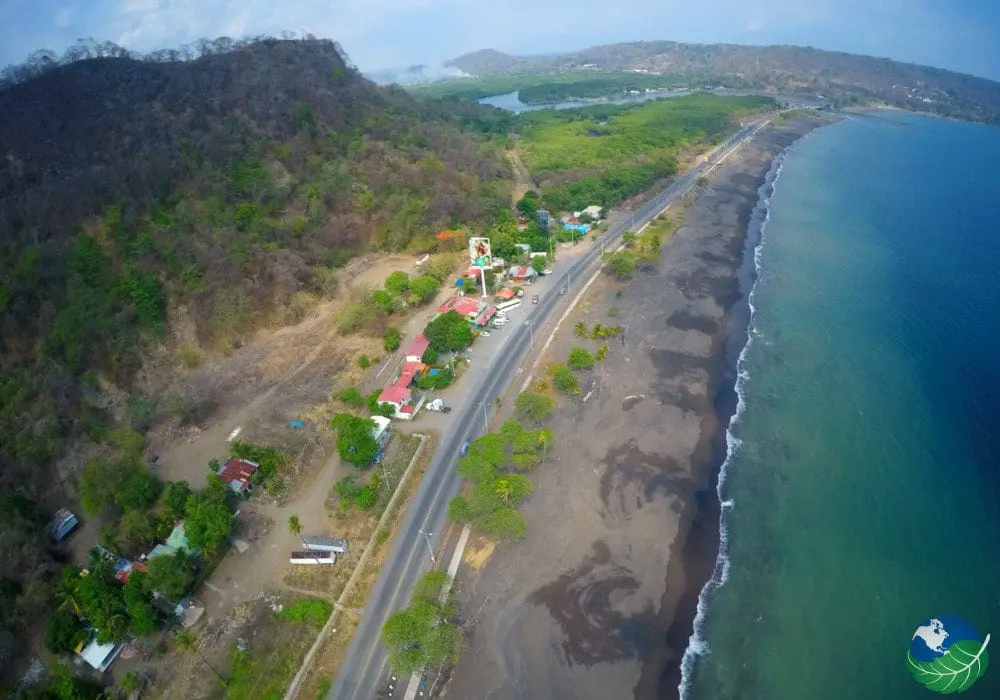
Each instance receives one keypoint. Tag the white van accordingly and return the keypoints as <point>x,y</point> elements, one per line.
<point>500,321</point>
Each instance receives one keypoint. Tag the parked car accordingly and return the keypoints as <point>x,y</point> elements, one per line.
<point>545,272</point>
<point>465,449</point>
<point>534,299</point>
<point>485,334</point>
<point>379,457</point>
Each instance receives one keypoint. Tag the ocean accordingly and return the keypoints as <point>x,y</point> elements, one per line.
<point>861,493</point>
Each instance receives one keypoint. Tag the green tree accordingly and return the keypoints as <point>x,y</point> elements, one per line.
<point>138,526</point>
<point>63,632</point>
<point>208,519</point>
<point>383,300</point>
<point>601,352</point>
<point>103,602</point>
<point>449,331</point>
<point>621,264</point>
<point>430,356</point>
<point>533,406</point>
<point>397,283</point>
<point>539,263</point>
<point>628,239</point>
<point>580,329</point>
<point>67,590</point>
<point>170,574</point>
<point>294,526</point>
<point>565,381</point>
<point>580,358</point>
<point>137,488</point>
<point>138,602</point>
<point>423,289</point>
<point>391,339</point>
<point>459,510</point>
<point>97,486</point>
<point>364,362</point>
<point>506,523</point>
<point>130,682</point>
<point>365,497</point>
<point>352,397</point>
<point>174,497</point>
<point>528,204</point>
<point>355,440</point>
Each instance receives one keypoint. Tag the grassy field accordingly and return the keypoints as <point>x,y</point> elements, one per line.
<point>263,668</point>
<point>606,153</point>
<point>478,88</point>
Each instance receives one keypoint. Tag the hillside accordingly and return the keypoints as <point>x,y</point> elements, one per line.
<point>214,194</point>
<point>843,78</point>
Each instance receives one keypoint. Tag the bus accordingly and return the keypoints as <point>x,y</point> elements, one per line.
<point>508,305</point>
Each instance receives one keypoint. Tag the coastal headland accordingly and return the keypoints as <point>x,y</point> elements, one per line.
<point>599,600</point>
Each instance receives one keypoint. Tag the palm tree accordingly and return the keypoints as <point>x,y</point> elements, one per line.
<point>503,490</point>
<point>294,526</point>
<point>187,644</point>
<point>68,589</point>
<point>580,329</point>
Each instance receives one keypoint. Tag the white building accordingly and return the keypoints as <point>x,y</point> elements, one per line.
<point>100,656</point>
<point>382,431</point>
<point>593,211</point>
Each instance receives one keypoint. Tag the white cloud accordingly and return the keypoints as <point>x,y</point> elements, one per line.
<point>64,17</point>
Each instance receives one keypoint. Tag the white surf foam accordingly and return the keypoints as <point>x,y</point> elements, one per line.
<point>698,644</point>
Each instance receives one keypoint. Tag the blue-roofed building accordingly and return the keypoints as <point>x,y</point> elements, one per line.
<point>177,542</point>
<point>63,524</point>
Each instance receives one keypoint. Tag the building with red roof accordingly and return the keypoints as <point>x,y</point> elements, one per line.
<point>478,312</point>
<point>417,348</point>
<point>237,472</point>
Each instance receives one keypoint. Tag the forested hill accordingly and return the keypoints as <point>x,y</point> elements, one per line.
<point>844,78</point>
<point>218,186</point>
<point>220,181</point>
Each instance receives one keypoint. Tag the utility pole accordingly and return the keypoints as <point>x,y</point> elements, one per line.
<point>427,536</point>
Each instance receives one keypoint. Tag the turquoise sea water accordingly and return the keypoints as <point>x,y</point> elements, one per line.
<point>862,493</point>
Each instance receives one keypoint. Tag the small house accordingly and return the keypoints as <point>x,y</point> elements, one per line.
<point>525,274</point>
<point>63,524</point>
<point>237,473</point>
<point>319,543</point>
<point>99,656</point>
<point>415,351</point>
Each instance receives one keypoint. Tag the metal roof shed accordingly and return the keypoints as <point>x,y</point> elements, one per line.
<point>324,544</point>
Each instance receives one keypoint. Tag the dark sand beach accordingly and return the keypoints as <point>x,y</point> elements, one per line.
<point>598,600</point>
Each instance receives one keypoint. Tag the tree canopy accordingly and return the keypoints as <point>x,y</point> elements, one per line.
<point>355,440</point>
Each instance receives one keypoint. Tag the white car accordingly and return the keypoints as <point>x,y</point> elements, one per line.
<point>546,271</point>
<point>485,334</point>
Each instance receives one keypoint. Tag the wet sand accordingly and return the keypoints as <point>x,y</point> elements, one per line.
<point>598,601</point>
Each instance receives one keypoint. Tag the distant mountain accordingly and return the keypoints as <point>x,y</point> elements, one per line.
<point>792,70</point>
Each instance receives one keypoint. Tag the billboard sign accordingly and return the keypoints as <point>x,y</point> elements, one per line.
<point>480,252</point>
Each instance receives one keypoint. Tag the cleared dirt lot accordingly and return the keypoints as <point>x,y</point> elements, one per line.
<point>585,606</point>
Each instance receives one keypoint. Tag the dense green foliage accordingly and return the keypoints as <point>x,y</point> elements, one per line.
<point>424,634</point>
<point>350,493</point>
<point>355,442</point>
<point>604,154</point>
<point>449,331</point>
<point>533,406</point>
<point>307,611</point>
<point>208,518</point>
<point>494,464</point>
<point>580,358</point>
<point>564,379</point>
<point>171,574</point>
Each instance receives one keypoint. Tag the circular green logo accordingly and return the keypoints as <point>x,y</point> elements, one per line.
<point>947,655</point>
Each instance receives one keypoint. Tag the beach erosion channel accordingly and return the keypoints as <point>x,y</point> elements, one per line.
<point>600,599</point>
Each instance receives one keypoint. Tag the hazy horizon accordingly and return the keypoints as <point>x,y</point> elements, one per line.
<point>392,34</point>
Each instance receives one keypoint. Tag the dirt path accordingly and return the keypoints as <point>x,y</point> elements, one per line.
<point>522,176</point>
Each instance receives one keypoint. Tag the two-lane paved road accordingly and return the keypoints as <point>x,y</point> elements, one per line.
<point>365,664</point>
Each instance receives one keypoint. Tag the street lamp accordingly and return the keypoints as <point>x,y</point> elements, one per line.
<point>427,536</point>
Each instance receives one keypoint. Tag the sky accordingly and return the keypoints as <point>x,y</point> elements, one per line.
<point>958,35</point>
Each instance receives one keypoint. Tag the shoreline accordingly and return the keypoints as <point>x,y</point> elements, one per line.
<point>604,608</point>
<point>703,552</point>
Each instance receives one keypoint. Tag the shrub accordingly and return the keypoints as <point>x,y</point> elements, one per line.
<point>392,339</point>
<point>307,611</point>
<point>365,497</point>
<point>383,300</point>
<point>397,283</point>
<point>533,406</point>
<point>459,510</point>
<point>580,358</point>
<point>188,355</point>
<point>352,397</point>
<point>364,362</point>
<point>621,264</point>
<point>564,380</point>
<point>601,352</point>
<point>430,356</point>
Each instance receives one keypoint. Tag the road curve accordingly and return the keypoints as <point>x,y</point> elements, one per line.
<point>365,663</point>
